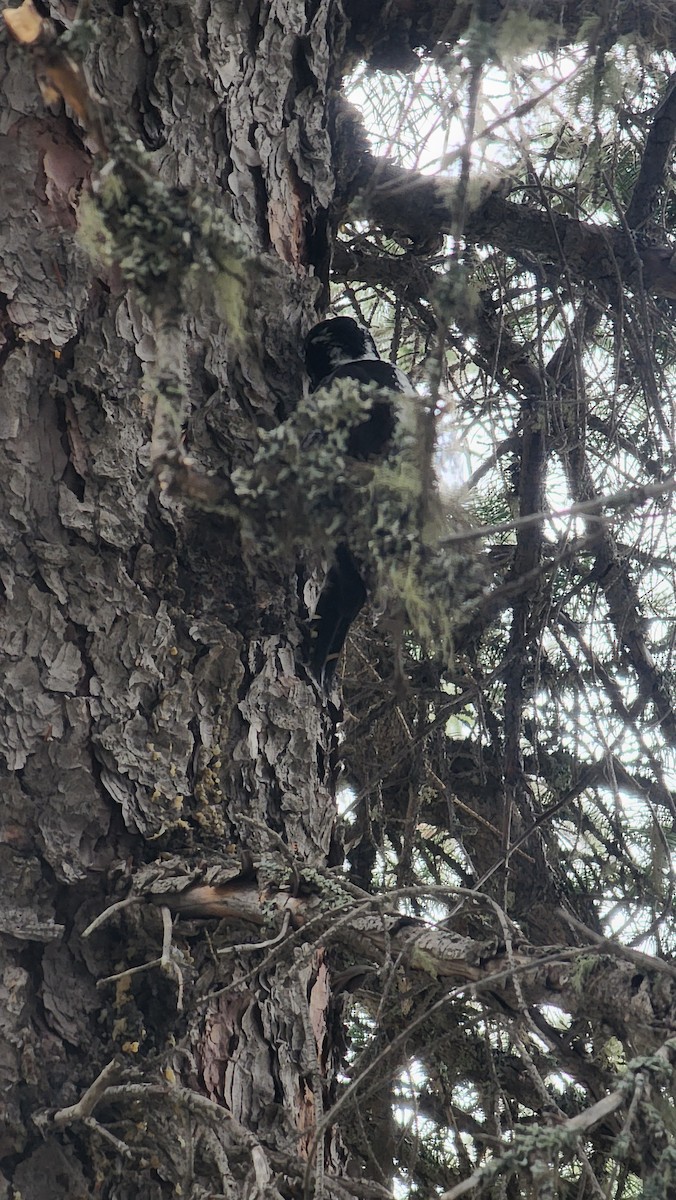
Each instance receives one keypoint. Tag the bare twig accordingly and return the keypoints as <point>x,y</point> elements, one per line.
<point>626,498</point>
<point>617,949</point>
<point>109,912</point>
<point>88,1101</point>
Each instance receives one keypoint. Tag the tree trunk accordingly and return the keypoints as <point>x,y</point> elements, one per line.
<point>160,727</point>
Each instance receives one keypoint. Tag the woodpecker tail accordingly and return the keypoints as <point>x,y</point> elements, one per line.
<point>341,599</point>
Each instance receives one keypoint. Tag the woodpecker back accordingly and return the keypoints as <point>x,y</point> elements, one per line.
<point>341,349</point>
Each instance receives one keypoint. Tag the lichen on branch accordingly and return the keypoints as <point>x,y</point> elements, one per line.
<point>303,491</point>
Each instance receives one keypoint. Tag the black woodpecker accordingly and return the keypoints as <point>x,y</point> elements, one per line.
<point>342,349</point>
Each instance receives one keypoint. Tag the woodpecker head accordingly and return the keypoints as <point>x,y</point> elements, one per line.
<point>331,343</point>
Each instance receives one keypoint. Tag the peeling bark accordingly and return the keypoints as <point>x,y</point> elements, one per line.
<point>154,687</point>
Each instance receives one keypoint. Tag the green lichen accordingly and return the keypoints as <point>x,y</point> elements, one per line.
<point>165,241</point>
<point>303,490</point>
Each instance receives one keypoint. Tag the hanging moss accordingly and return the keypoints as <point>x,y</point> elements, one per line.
<point>166,242</point>
<point>304,490</point>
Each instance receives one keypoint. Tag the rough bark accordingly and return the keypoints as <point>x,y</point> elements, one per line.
<point>154,687</point>
<point>176,949</point>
